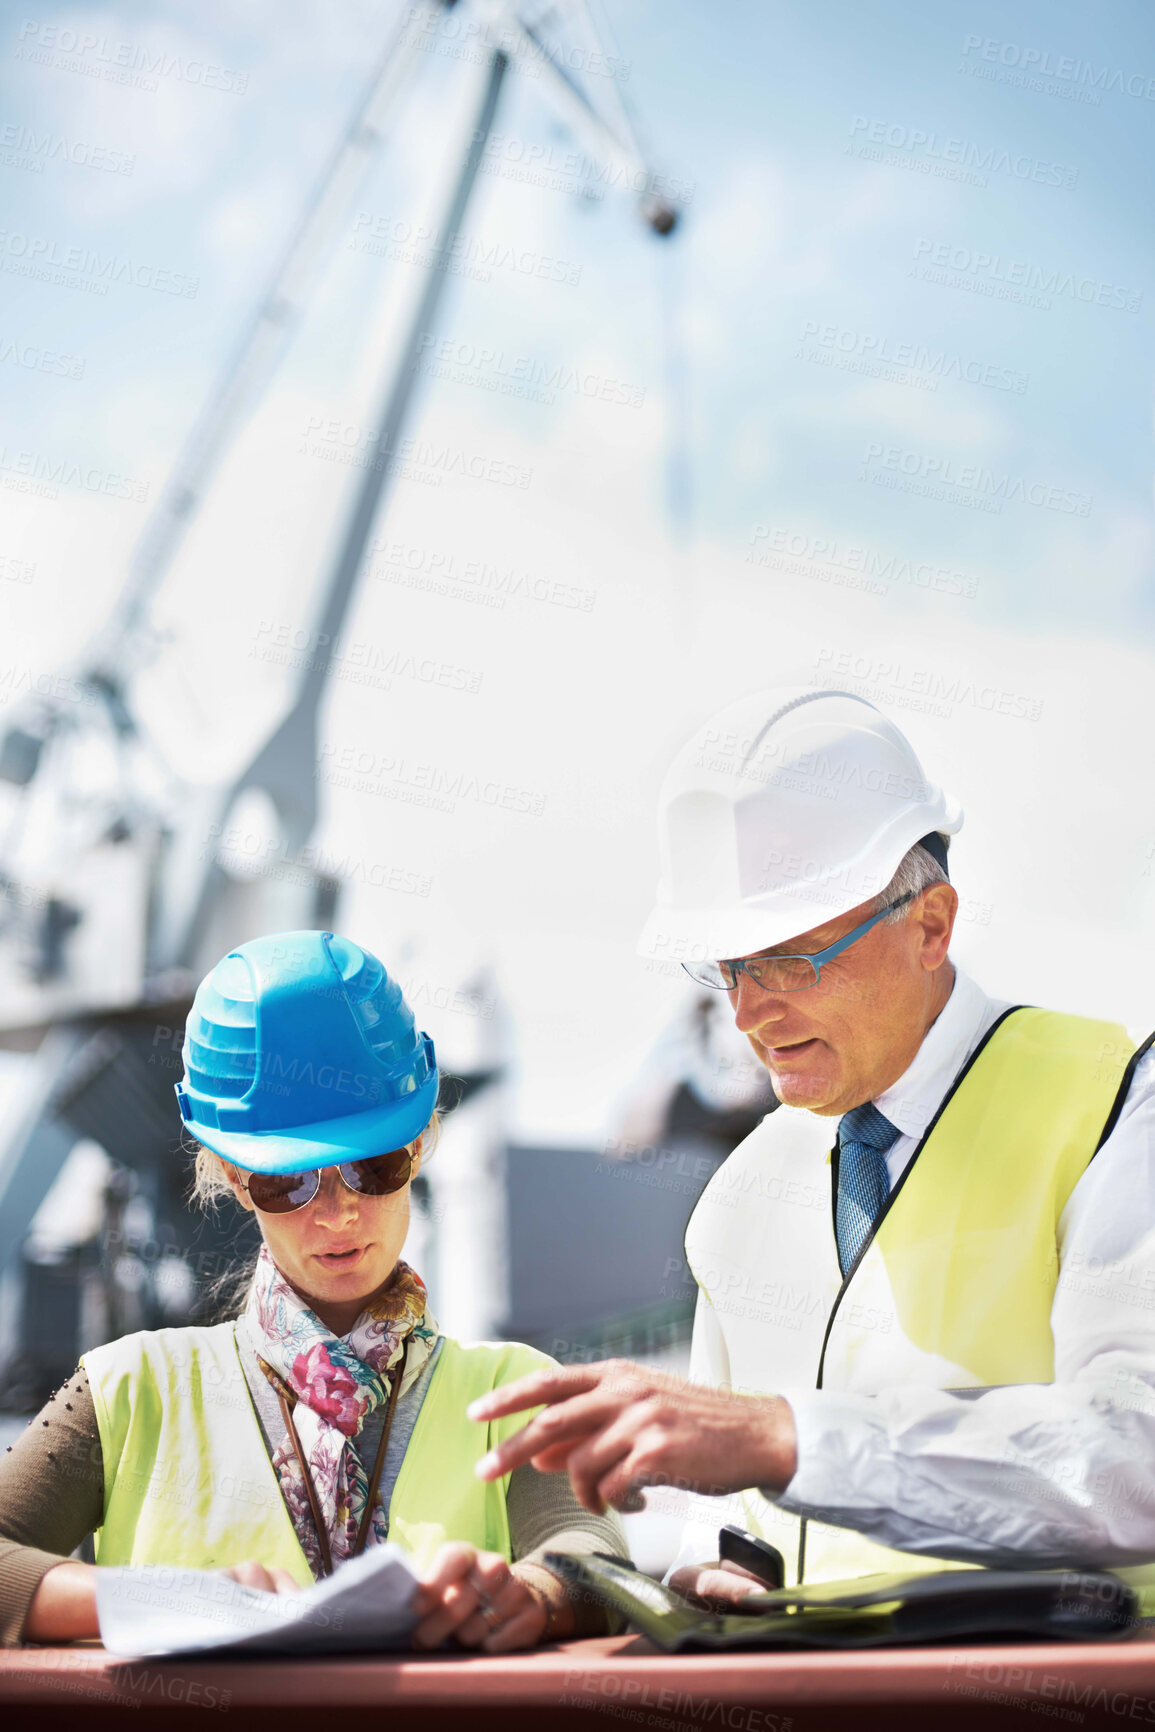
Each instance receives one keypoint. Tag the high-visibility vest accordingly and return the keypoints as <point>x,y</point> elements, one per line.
<point>953,1289</point>
<point>187,1476</point>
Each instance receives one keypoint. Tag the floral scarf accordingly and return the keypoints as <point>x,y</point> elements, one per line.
<point>333,1383</point>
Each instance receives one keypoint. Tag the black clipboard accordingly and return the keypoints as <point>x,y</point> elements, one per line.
<point>869,1611</point>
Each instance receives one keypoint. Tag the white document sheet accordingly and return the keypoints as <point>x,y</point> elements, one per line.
<point>158,1609</point>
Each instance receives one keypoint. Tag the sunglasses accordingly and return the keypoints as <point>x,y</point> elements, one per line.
<point>379,1176</point>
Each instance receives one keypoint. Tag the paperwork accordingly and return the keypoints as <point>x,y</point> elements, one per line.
<point>363,1606</point>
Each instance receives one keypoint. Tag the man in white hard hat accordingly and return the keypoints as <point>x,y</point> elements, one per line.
<point>926,1307</point>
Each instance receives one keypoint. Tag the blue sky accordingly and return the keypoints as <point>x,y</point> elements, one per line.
<point>901,349</point>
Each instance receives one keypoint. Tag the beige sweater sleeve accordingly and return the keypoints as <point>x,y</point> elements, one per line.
<point>51,1498</point>
<point>545,1516</point>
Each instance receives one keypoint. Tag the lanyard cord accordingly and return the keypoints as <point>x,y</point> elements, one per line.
<point>374,1482</point>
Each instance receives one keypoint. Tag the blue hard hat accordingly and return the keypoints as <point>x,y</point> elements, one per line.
<point>301,1052</point>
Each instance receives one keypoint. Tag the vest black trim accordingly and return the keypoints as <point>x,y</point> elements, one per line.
<point>890,1201</point>
<point>1124,1086</point>
<point>907,1170</point>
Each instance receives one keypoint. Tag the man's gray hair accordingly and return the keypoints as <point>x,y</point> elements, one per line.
<point>916,871</point>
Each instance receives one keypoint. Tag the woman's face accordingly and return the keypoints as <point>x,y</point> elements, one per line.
<point>338,1250</point>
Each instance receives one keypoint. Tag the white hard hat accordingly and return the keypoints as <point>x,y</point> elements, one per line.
<point>783,811</point>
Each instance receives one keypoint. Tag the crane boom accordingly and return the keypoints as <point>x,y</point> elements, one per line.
<point>253,361</point>
<point>103,951</point>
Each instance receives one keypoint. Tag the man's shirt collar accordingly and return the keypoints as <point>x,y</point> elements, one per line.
<point>912,1101</point>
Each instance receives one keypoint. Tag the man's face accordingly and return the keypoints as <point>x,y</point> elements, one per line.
<point>847,1039</point>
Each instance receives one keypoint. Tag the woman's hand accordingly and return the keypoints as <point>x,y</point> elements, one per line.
<point>268,1577</point>
<point>479,1600</point>
<point>63,1608</point>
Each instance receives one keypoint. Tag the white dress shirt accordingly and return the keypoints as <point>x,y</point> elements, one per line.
<point>1060,1472</point>
<point>913,1100</point>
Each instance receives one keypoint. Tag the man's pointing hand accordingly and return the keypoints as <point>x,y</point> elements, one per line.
<point>616,1427</point>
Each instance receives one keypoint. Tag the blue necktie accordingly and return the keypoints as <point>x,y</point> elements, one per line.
<point>864,1136</point>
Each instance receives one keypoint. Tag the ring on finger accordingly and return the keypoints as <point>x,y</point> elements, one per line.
<point>489,1614</point>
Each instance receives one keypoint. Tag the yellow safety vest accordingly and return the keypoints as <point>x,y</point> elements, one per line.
<point>953,1290</point>
<point>187,1476</point>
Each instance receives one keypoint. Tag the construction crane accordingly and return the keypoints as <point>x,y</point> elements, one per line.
<point>113,894</point>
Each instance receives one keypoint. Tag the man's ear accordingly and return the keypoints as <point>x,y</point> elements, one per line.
<point>237,1185</point>
<point>939,905</point>
<point>415,1153</point>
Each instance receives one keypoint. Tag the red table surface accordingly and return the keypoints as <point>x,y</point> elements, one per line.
<point>619,1681</point>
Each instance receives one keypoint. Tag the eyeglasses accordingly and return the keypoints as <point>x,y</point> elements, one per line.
<point>783,973</point>
<point>379,1176</point>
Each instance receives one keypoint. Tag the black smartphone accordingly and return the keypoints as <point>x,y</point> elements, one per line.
<point>758,1557</point>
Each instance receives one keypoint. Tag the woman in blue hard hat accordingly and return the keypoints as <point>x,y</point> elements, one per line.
<point>331,1414</point>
